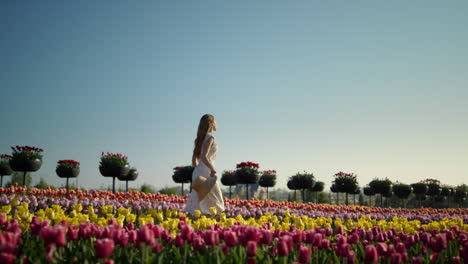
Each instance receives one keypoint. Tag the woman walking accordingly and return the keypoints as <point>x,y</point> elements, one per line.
<point>206,190</point>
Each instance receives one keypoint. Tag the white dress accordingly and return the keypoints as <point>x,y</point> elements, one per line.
<point>215,197</point>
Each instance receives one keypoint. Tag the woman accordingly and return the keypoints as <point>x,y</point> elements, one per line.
<point>206,191</point>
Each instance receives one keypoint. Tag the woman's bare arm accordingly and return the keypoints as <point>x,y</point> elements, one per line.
<point>204,153</point>
<point>194,160</point>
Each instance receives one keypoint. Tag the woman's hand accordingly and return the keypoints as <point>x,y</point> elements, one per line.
<point>213,173</point>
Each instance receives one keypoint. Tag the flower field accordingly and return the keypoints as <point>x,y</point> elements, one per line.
<point>42,226</point>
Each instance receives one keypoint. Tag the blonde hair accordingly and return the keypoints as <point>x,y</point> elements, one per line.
<point>206,124</point>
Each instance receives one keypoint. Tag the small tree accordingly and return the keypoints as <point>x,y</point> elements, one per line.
<point>368,191</point>
<point>292,185</point>
<point>345,182</point>
<point>447,191</point>
<point>228,179</point>
<point>433,188</point>
<point>356,191</point>
<point>318,187</point>
<point>402,191</point>
<point>303,181</point>
<point>42,184</point>
<point>381,187</point>
<point>247,173</point>
<point>460,194</point>
<point>419,190</point>
<point>168,191</point>
<point>268,179</point>
<point>183,174</point>
<point>334,189</point>
<point>146,188</point>
<point>17,177</point>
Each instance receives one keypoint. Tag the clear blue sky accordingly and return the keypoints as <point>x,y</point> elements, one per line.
<point>377,88</point>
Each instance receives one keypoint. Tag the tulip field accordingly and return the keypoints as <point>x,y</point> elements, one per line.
<point>53,226</point>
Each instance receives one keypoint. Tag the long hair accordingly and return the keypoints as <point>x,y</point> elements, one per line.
<point>206,124</point>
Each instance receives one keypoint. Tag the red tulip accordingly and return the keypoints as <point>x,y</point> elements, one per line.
<point>104,247</point>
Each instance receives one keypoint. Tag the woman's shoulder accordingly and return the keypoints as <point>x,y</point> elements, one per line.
<point>209,137</point>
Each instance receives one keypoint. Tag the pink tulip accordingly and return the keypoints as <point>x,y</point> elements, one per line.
<point>211,237</point>
<point>179,241</point>
<point>3,219</point>
<point>395,258</point>
<point>230,238</point>
<point>401,248</point>
<point>123,239</point>
<point>132,236</point>
<point>157,248</point>
<point>187,232</point>
<point>72,232</point>
<point>157,229</point>
<point>289,242</point>
<point>267,237</point>
<point>54,235</point>
<point>353,239</point>
<point>351,257</point>
<point>251,249</point>
<point>251,261</point>
<point>198,243</point>
<point>304,254</point>
<point>104,247</point>
<point>298,236</point>
<point>342,240</point>
<point>13,226</point>
<point>283,249</point>
<point>382,249</point>
<point>339,230</point>
<point>416,260</point>
<point>456,260</point>
<point>85,231</point>
<point>145,235</point>
<point>317,239</point>
<point>371,254</point>
<point>325,243</point>
<point>225,249</point>
<point>7,258</point>
<point>166,236</point>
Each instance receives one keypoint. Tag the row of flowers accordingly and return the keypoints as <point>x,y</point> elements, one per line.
<point>141,202</point>
<point>164,235</point>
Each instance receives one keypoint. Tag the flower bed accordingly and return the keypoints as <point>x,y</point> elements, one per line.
<point>51,225</point>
